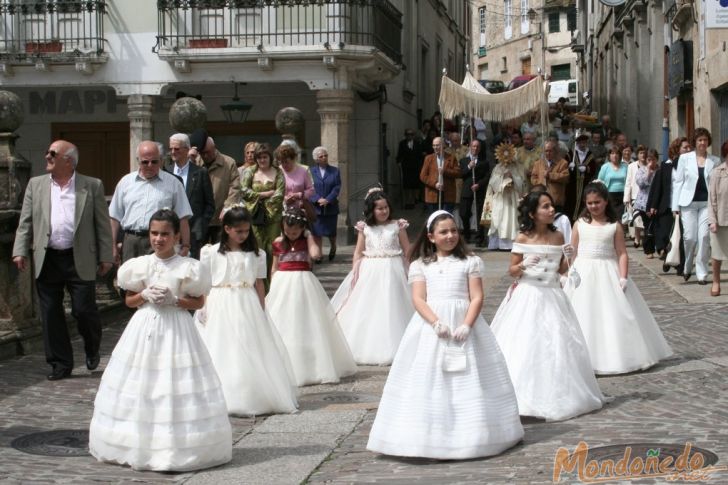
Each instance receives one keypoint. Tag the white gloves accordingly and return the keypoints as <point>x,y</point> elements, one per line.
<point>461,333</point>
<point>571,166</point>
<point>563,279</point>
<point>201,315</point>
<point>530,261</point>
<point>153,295</point>
<point>442,330</point>
<point>568,250</point>
<point>168,298</point>
<point>582,168</point>
<point>623,283</point>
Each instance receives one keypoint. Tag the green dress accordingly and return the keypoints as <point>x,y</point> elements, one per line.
<point>273,207</point>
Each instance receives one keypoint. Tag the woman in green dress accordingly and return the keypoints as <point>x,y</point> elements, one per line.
<point>264,182</point>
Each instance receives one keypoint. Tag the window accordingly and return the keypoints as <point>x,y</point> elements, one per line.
<point>504,64</point>
<point>524,17</point>
<point>560,72</point>
<point>481,21</point>
<point>508,18</point>
<point>483,71</point>
<point>554,22</point>
<point>571,20</point>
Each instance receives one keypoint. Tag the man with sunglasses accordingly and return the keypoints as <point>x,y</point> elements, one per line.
<point>140,194</point>
<point>64,226</point>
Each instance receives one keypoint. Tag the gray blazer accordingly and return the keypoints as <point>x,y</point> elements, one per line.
<point>92,234</point>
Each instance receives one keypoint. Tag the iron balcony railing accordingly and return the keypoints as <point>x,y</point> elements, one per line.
<point>51,28</point>
<point>259,24</point>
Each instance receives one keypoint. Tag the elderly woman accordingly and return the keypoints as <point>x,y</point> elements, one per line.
<point>299,186</point>
<point>325,198</point>
<point>263,188</point>
<point>718,216</point>
<point>690,199</point>
<point>248,156</point>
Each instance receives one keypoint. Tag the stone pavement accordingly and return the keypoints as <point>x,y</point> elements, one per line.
<point>682,399</point>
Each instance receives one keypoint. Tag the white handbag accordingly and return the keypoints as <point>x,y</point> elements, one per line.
<point>454,358</point>
<point>673,255</point>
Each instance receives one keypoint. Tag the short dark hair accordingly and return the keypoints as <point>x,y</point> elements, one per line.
<point>166,215</point>
<point>701,132</point>
<point>262,149</point>
<point>724,150</point>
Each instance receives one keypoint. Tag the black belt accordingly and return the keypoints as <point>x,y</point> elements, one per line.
<point>137,233</point>
<point>59,251</point>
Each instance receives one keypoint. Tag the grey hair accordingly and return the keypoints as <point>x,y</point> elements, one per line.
<point>182,138</point>
<point>72,153</point>
<point>317,151</point>
<point>160,147</point>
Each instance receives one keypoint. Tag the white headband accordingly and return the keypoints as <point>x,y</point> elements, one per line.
<point>434,215</point>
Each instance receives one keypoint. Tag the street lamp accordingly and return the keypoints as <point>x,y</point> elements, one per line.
<point>236,111</point>
<point>532,16</point>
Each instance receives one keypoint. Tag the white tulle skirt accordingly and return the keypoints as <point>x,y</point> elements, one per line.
<point>249,355</point>
<point>305,319</point>
<point>547,357</point>
<point>374,313</point>
<point>619,329</point>
<point>427,412</point>
<point>160,405</point>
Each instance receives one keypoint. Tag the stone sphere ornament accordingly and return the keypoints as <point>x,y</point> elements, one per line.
<point>187,114</point>
<point>11,112</point>
<point>289,120</point>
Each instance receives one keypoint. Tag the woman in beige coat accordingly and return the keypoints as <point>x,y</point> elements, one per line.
<point>718,217</point>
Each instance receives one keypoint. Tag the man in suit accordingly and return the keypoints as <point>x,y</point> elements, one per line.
<point>553,172</point>
<point>439,172</point>
<point>64,225</point>
<point>409,159</point>
<point>475,173</point>
<point>197,187</point>
<point>224,176</point>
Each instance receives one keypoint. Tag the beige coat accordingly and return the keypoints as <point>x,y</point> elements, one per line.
<point>92,233</point>
<point>558,178</point>
<point>718,195</point>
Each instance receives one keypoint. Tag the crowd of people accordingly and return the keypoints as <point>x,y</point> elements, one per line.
<point>229,318</point>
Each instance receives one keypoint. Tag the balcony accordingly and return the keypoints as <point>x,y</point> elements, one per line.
<point>52,31</point>
<point>250,29</point>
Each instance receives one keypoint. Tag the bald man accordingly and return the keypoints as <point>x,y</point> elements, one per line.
<point>64,231</point>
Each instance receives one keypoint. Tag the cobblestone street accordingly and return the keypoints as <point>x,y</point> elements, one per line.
<point>682,399</point>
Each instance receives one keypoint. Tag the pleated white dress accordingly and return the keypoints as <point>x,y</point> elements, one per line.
<point>374,312</point>
<point>619,329</point>
<point>539,335</point>
<point>428,412</point>
<point>160,405</point>
<point>248,353</point>
<point>305,319</point>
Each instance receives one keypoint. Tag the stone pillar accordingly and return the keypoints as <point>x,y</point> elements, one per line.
<point>334,107</point>
<point>18,329</point>
<point>140,108</point>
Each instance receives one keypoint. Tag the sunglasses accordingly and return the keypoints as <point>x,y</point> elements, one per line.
<point>147,162</point>
<point>52,153</point>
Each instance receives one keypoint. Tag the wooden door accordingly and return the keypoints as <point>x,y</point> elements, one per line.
<point>526,66</point>
<point>103,149</point>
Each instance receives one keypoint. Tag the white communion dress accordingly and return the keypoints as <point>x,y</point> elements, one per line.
<point>305,319</point>
<point>426,411</point>
<point>619,329</point>
<point>374,311</point>
<point>160,405</point>
<point>539,335</point>
<point>248,353</point>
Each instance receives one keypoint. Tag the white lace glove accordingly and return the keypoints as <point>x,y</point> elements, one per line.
<point>563,279</point>
<point>168,298</point>
<point>442,330</point>
<point>568,250</point>
<point>582,168</point>
<point>201,315</point>
<point>152,295</point>
<point>530,261</point>
<point>461,333</point>
<point>623,283</point>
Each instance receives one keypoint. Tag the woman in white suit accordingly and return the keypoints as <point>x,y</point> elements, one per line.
<point>690,199</point>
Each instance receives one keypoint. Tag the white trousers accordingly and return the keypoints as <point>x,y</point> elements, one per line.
<point>696,234</point>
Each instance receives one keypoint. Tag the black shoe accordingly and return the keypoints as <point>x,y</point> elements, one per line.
<point>665,268</point>
<point>686,276</point>
<point>679,272</point>
<point>318,261</point>
<point>332,253</point>
<point>92,362</point>
<point>59,374</point>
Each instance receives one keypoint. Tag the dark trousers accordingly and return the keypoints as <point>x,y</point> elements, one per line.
<point>446,206</point>
<point>59,272</point>
<point>466,212</point>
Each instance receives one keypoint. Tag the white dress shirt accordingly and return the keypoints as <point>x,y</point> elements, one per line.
<point>63,213</point>
<point>182,172</point>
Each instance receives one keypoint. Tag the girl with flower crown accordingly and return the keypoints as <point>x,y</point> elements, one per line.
<point>378,274</point>
<point>300,309</point>
<point>246,349</point>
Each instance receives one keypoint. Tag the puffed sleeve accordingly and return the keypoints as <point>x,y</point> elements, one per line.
<point>132,275</point>
<point>416,271</point>
<point>197,280</point>
<point>475,267</point>
<point>261,271</point>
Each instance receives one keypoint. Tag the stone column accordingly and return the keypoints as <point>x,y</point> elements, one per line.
<point>140,108</point>
<point>334,107</point>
